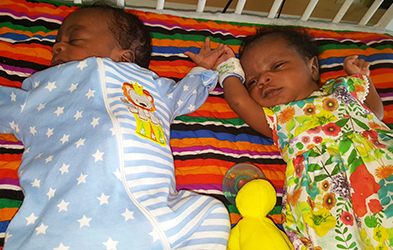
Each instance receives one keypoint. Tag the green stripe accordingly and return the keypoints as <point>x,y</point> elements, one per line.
<point>32,29</point>
<point>7,203</point>
<point>232,121</point>
<point>193,37</point>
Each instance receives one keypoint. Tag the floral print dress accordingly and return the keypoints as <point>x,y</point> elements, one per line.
<point>339,177</point>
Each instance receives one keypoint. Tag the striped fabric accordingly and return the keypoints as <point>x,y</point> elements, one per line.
<point>205,143</point>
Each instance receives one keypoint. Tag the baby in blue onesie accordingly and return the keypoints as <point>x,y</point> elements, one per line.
<point>97,171</point>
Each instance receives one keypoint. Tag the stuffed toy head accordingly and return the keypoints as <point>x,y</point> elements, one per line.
<point>256,198</point>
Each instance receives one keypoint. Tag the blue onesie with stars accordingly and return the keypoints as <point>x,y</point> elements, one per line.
<point>98,171</point>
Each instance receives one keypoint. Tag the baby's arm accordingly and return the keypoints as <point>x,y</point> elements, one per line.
<point>240,100</point>
<point>352,66</point>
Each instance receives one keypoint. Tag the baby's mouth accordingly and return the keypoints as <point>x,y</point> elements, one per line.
<point>56,62</point>
<point>271,92</point>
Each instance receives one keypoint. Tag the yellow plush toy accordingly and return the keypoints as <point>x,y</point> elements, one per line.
<point>255,231</point>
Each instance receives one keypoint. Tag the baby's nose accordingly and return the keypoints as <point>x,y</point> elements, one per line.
<point>57,47</point>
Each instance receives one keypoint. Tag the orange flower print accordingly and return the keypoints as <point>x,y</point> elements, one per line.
<point>331,129</point>
<point>373,137</point>
<point>310,203</point>
<point>374,125</point>
<point>329,200</point>
<point>286,115</point>
<point>309,109</point>
<point>330,104</point>
<point>317,139</point>
<point>315,130</point>
<point>383,172</point>
<point>298,165</point>
<point>293,199</point>
<point>347,218</point>
<point>317,248</point>
<point>325,185</point>
<point>359,88</point>
<point>305,139</point>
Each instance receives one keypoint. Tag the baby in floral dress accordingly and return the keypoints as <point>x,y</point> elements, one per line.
<point>338,152</point>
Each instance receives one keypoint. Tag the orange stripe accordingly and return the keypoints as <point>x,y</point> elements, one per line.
<point>240,145</point>
<point>7,213</point>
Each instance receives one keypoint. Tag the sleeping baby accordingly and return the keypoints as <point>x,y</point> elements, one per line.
<point>98,172</point>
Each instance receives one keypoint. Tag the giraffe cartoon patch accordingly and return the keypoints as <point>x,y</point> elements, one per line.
<point>141,104</point>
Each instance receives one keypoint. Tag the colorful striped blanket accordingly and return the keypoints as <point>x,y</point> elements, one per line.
<point>205,143</point>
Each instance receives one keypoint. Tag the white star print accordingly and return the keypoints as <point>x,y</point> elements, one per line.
<point>154,234</point>
<point>50,158</point>
<point>170,96</point>
<point>42,106</point>
<point>78,115</point>
<point>84,221</point>
<point>32,130</point>
<point>61,247</point>
<point>65,138</point>
<point>103,199</point>
<point>22,107</point>
<point>110,244</point>
<point>51,86</point>
<point>38,156</point>
<point>128,215</point>
<point>64,168</point>
<point>195,91</point>
<point>63,206</point>
<point>73,87</point>
<point>185,87</point>
<point>7,236</point>
<point>159,83</point>
<point>31,219</point>
<point>51,193</point>
<point>41,229</point>
<point>112,130</point>
<point>82,65</point>
<point>117,173</point>
<point>13,97</point>
<point>95,122</point>
<point>59,111</point>
<point>50,132</point>
<point>90,93</point>
<point>36,183</point>
<point>180,102</point>
<point>98,156</point>
<point>191,108</point>
<point>81,142</point>
<point>36,84</point>
<point>14,127</point>
<point>81,179</point>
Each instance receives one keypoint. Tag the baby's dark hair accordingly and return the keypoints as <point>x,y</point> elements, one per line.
<point>299,39</point>
<point>128,30</point>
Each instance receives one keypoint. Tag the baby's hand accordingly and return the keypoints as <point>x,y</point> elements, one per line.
<point>206,57</point>
<point>228,53</point>
<point>353,65</point>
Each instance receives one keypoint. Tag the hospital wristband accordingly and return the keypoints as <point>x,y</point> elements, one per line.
<point>230,67</point>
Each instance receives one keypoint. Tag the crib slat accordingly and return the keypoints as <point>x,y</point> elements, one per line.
<point>77,1</point>
<point>370,12</point>
<point>240,6</point>
<point>274,9</point>
<point>344,8</point>
<point>160,4</point>
<point>386,20</point>
<point>201,5</point>
<point>310,8</point>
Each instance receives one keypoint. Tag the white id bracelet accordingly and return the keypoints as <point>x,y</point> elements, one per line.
<point>230,67</point>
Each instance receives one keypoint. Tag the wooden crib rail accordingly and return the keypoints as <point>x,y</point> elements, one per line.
<point>384,23</point>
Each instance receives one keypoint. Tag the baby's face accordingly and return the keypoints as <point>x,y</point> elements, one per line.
<point>84,33</point>
<point>276,73</point>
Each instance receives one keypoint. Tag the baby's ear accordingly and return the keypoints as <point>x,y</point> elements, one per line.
<point>314,64</point>
<point>127,56</point>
